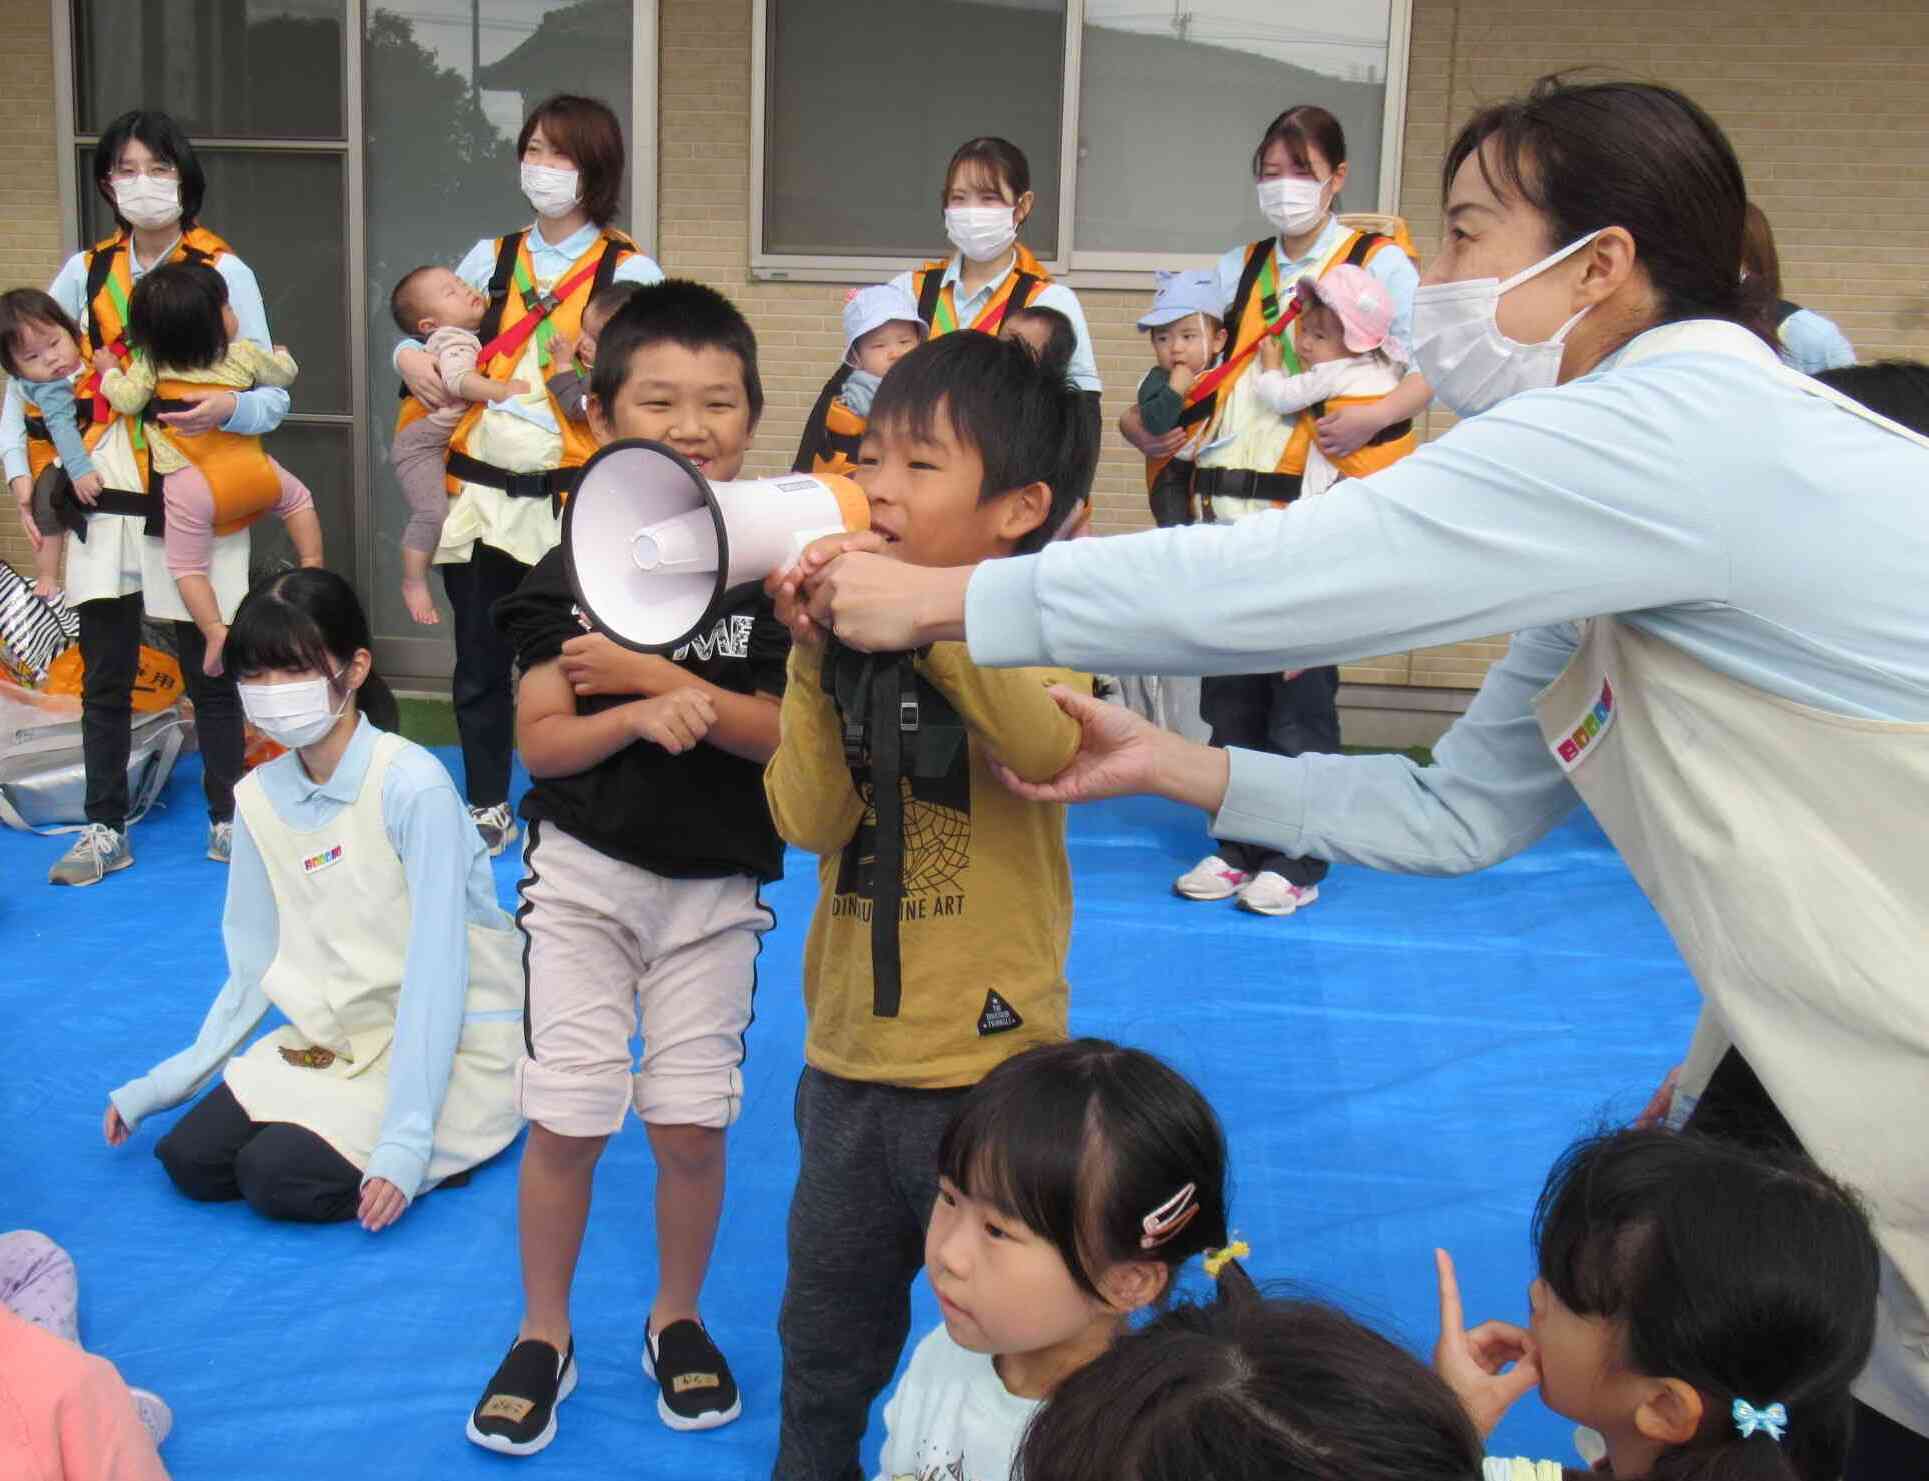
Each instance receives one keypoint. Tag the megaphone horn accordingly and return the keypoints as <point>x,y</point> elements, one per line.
<point>655,551</point>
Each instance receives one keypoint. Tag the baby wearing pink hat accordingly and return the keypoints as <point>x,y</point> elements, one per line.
<point>1344,340</point>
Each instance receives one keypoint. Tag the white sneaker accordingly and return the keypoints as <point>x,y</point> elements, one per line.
<point>221,842</point>
<point>156,1418</point>
<point>97,853</point>
<point>497,825</point>
<point>1267,893</point>
<point>1212,878</point>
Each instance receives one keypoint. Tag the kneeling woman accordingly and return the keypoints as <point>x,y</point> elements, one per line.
<point>361,905</point>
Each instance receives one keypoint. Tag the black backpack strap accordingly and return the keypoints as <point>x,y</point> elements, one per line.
<point>1022,291</point>
<point>606,265</point>
<point>816,438</point>
<point>928,294</point>
<point>1363,246</point>
<point>1248,279</point>
<point>98,267</point>
<point>499,280</point>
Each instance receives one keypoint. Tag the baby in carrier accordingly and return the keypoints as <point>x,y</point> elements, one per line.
<point>187,347</point>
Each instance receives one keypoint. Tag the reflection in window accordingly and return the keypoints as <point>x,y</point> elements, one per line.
<point>226,68</point>
<point>1172,99</point>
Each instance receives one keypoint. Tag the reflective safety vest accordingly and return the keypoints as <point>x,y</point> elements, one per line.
<point>236,467</point>
<point>110,282</point>
<point>1256,305</point>
<point>833,431</point>
<point>513,298</point>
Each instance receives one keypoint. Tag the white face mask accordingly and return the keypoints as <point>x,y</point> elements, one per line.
<point>1292,203</point>
<point>982,233</point>
<point>149,203</point>
<point>551,191</point>
<point>1458,345</point>
<point>291,715</point>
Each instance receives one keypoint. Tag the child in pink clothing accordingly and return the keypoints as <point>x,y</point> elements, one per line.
<point>435,304</point>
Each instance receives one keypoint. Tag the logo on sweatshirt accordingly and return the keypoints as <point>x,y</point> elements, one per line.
<point>999,1017</point>
<point>321,861</point>
<point>1571,749</point>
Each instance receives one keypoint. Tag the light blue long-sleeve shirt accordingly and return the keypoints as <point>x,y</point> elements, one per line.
<point>450,887</point>
<point>256,412</point>
<point>54,400</point>
<point>1393,268</point>
<point>1699,497</point>
<point>1813,344</point>
<point>549,259</point>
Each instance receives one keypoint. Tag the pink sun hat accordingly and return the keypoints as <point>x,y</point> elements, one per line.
<point>1364,306</point>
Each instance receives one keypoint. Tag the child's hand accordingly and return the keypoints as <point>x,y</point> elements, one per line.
<point>415,596</point>
<point>786,588</point>
<point>1271,356</point>
<point>1180,378</point>
<point>105,360</point>
<point>510,390</point>
<point>217,640</point>
<point>112,1127</point>
<point>562,350</point>
<point>382,1204</point>
<point>675,721</point>
<point>87,488</point>
<point>1471,1362</point>
<point>593,664</point>
<point>23,497</point>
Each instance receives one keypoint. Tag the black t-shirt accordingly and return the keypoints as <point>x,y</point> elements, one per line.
<point>695,816</point>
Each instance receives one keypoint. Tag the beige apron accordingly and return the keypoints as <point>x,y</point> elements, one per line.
<point>342,906</point>
<point>1785,848</point>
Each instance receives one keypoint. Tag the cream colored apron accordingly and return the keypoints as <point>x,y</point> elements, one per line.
<point>1787,849</point>
<point>342,903</point>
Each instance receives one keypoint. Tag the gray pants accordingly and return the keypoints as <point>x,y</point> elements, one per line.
<point>866,1179</point>
<point>37,1282</point>
<point>419,455</point>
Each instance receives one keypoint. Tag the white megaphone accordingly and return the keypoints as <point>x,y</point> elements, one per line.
<point>652,547</point>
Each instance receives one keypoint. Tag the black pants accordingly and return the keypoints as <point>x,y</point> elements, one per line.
<point>485,709</point>
<point>216,1154</point>
<point>1736,1107</point>
<point>110,652</point>
<point>1288,717</point>
<point>866,1180</point>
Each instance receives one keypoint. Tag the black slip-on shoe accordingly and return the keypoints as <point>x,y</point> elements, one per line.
<point>516,1414</point>
<point>696,1391</point>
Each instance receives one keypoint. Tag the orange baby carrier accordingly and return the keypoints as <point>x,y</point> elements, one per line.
<point>519,311</point>
<point>833,431</point>
<point>237,467</point>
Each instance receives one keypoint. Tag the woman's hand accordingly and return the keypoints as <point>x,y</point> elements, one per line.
<point>23,497</point>
<point>1132,429</point>
<point>785,588</point>
<point>113,1127</point>
<point>204,416</point>
<point>1349,429</point>
<point>1471,1362</point>
<point>382,1205</point>
<point>593,664</point>
<point>417,368</point>
<point>876,604</point>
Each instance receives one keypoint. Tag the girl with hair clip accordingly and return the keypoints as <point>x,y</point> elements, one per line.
<point>1074,1182</point>
<point>361,905</point>
<point>1702,1306</point>
<point>1246,1388</point>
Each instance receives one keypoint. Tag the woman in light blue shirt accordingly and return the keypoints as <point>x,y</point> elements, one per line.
<point>1713,568</point>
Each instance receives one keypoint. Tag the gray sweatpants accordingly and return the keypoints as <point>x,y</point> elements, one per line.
<point>866,1179</point>
<point>37,1282</point>
<point>420,455</point>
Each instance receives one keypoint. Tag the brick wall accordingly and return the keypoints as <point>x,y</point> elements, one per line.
<point>1824,104</point>
<point>29,230</point>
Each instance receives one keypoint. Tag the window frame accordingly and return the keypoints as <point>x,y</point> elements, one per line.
<point>1077,268</point>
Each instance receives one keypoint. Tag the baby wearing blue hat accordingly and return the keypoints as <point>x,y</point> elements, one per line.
<point>1188,331</point>
<point>881,327</point>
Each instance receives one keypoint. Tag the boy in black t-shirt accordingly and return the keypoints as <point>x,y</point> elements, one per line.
<point>648,839</point>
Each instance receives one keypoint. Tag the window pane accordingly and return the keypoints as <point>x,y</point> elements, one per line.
<point>229,68</point>
<point>322,457</point>
<point>1171,104</point>
<point>441,173</point>
<point>285,215</point>
<point>867,99</point>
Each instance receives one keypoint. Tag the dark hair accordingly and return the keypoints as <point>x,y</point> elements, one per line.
<point>167,142</point>
<point>1635,155</point>
<point>1061,341</point>
<point>1759,259</point>
<point>1746,1273</point>
<point>609,301</point>
<point>1896,389</point>
<point>21,307</point>
<point>1027,422</point>
<point>174,316</point>
<point>1299,127</point>
<point>1003,160</point>
<point>693,315</point>
<point>589,133</point>
<point>401,299</point>
<point>1081,1141</point>
<point>307,619</point>
<point>1251,1389</point>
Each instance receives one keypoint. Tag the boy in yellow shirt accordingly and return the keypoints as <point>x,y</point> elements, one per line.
<point>974,450</point>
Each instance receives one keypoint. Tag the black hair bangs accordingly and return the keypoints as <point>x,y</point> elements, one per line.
<point>22,307</point>
<point>272,635</point>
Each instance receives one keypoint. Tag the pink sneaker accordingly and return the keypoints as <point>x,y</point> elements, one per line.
<point>1212,878</point>
<point>1267,893</point>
